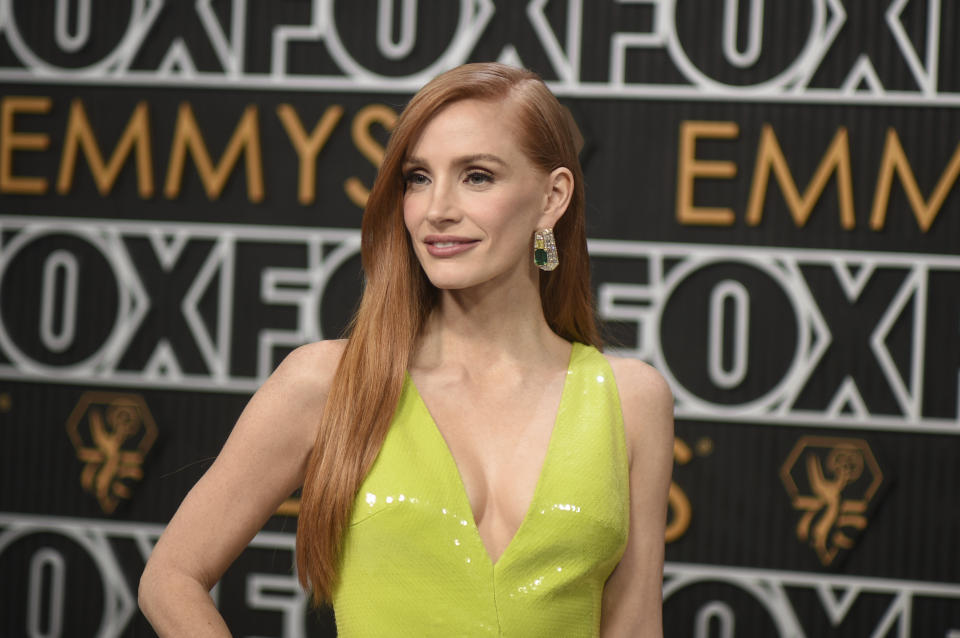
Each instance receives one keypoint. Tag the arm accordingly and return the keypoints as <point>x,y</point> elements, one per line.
<point>632,597</point>
<point>262,462</point>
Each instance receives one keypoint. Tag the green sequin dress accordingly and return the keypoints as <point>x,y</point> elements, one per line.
<point>414,563</point>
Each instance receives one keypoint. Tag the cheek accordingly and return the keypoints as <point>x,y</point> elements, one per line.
<point>516,214</point>
<point>410,215</point>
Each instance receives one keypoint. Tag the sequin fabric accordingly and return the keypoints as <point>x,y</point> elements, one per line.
<point>414,563</point>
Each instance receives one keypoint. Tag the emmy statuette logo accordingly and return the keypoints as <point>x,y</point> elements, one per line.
<point>111,434</point>
<point>833,482</point>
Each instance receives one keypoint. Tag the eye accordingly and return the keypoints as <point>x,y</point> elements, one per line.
<point>416,178</point>
<point>478,178</point>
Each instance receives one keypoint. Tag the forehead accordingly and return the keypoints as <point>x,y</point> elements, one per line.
<point>474,126</point>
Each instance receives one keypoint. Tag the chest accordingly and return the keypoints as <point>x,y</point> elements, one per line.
<point>499,437</point>
<point>564,502</point>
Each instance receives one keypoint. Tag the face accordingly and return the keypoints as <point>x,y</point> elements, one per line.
<point>473,199</point>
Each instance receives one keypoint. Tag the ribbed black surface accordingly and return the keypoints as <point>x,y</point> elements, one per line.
<point>870,311</point>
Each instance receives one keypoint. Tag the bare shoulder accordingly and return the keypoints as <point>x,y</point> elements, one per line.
<point>645,401</point>
<point>296,389</point>
<point>641,387</point>
<point>310,367</point>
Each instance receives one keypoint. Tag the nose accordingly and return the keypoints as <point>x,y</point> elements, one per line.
<point>444,206</point>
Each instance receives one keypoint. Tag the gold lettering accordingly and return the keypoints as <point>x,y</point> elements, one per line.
<point>679,504</point>
<point>308,147</point>
<point>691,168</point>
<point>894,159</point>
<point>371,149</point>
<point>80,136</point>
<point>188,138</point>
<point>11,141</point>
<point>836,159</point>
<point>290,507</point>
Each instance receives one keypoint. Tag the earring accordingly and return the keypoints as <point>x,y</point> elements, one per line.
<point>545,250</point>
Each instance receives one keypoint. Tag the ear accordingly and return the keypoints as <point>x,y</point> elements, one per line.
<point>558,195</point>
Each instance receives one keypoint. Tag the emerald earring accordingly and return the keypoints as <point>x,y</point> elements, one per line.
<point>545,249</point>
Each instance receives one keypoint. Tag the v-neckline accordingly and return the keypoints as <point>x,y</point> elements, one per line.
<point>465,496</point>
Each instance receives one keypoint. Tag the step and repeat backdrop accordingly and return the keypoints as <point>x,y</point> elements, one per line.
<point>774,223</point>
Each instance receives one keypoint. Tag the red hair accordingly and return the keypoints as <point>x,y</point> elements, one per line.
<point>398,297</point>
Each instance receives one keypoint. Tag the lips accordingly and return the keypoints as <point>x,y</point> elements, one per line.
<point>448,245</point>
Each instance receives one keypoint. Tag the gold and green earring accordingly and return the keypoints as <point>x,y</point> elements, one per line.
<point>545,249</point>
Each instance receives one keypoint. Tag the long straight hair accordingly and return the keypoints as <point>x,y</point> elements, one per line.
<point>397,299</point>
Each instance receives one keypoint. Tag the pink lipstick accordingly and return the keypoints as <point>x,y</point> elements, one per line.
<point>448,245</point>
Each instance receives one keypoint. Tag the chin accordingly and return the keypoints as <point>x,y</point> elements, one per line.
<point>453,278</point>
<point>446,278</point>
<point>449,283</point>
<point>463,276</point>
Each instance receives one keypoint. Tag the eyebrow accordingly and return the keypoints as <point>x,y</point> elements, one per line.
<point>466,159</point>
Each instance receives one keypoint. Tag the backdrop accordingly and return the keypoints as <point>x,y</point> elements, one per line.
<point>774,223</point>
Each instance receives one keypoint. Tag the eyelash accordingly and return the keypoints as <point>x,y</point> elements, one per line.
<point>485,177</point>
<point>413,175</point>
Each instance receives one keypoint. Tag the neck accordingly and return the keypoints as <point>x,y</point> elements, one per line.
<point>490,325</point>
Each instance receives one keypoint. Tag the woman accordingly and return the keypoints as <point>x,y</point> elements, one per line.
<point>479,467</point>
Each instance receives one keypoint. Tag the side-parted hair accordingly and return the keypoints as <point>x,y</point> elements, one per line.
<point>397,299</point>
